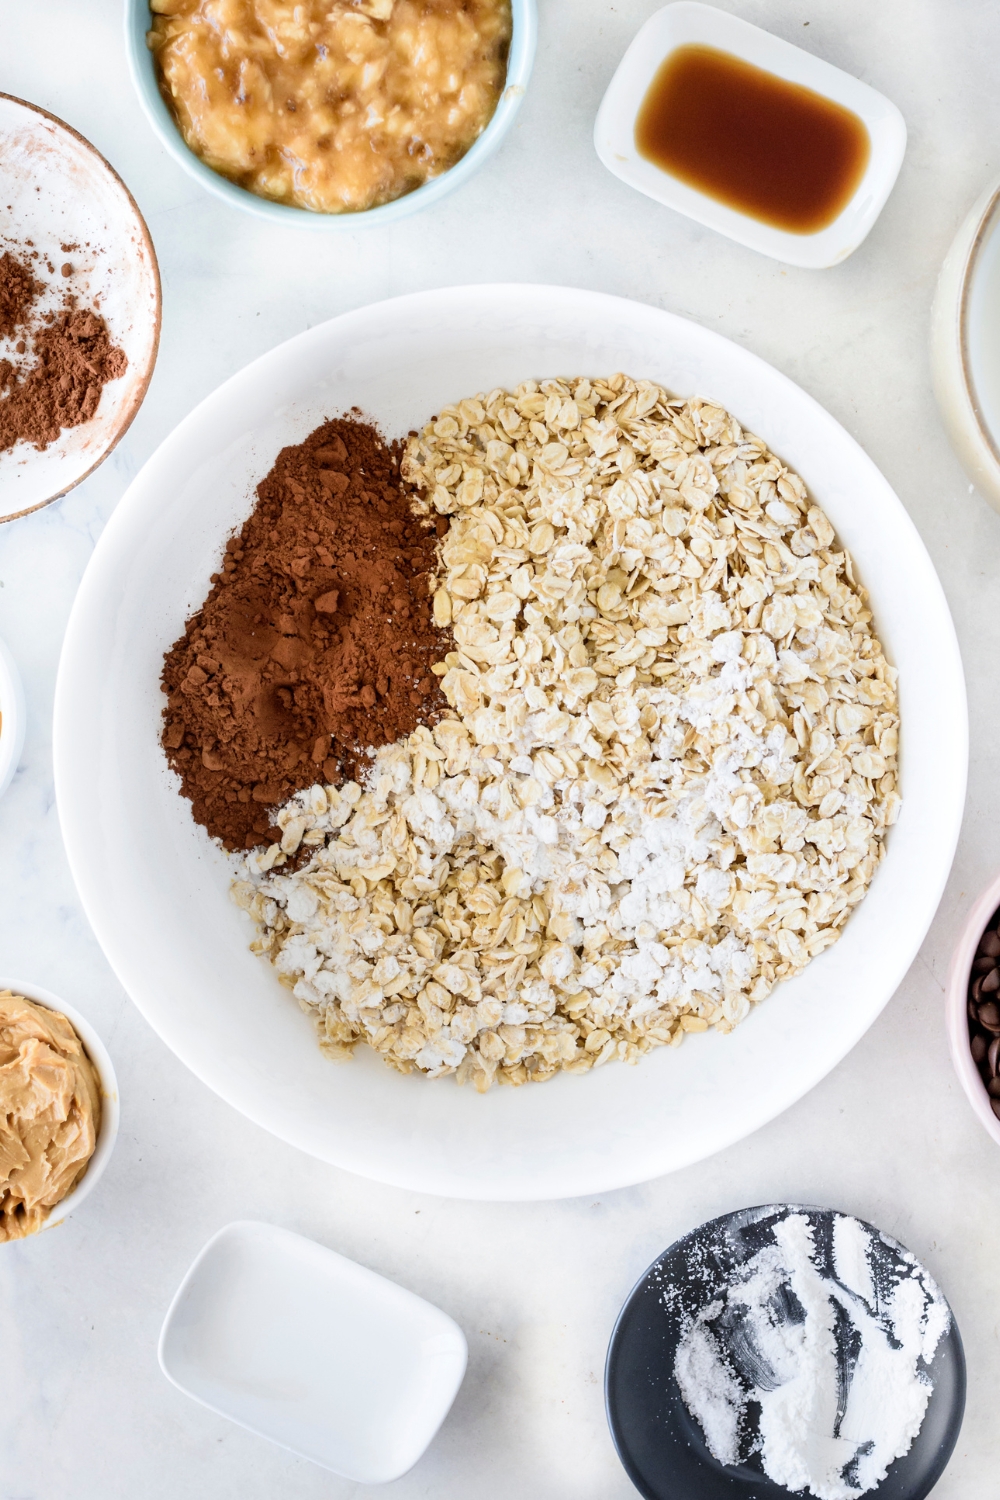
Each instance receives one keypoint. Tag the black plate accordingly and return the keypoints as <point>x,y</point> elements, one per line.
<point>661,1444</point>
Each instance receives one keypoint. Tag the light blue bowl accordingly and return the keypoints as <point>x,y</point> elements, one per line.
<point>142,69</point>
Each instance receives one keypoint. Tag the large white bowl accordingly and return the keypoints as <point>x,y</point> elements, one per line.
<point>155,888</point>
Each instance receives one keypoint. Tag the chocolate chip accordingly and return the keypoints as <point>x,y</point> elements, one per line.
<point>991,982</point>
<point>989,1015</point>
<point>990,945</point>
<point>993,1055</point>
<point>978,1047</point>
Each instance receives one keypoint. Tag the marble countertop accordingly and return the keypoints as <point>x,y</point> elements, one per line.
<point>84,1408</point>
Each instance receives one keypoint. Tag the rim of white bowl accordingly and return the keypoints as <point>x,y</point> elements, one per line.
<point>130,415</point>
<point>110,1107</point>
<point>524,36</point>
<point>954,385</point>
<point>12,708</point>
<point>985,224</point>
<point>956,1000</point>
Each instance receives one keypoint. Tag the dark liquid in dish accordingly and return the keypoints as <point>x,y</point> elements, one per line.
<point>768,148</point>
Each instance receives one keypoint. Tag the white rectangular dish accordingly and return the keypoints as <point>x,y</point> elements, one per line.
<point>689,23</point>
<point>313,1351</point>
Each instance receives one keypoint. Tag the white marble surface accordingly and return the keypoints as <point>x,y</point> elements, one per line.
<point>83,1406</point>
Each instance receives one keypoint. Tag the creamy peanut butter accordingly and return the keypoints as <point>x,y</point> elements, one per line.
<point>329,105</point>
<point>50,1113</point>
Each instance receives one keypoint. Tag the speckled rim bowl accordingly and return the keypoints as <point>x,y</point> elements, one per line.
<point>143,71</point>
<point>108,1133</point>
<point>956,1003</point>
<point>952,362</point>
<point>56,191</point>
<point>12,718</point>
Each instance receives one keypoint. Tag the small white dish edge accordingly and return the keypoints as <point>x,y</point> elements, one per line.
<point>257,1228</point>
<point>690,21</point>
<point>12,725</point>
<point>950,366</point>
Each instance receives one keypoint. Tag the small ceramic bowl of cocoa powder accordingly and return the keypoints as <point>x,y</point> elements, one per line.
<point>79,308</point>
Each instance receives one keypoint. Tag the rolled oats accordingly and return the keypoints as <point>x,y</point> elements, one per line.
<point>669,773</point>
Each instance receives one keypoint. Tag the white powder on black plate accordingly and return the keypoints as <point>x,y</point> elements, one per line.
<point>818,1372</point>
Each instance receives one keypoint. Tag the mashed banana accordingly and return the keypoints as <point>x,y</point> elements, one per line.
<point>329,105</point>
<point>50,1113</point>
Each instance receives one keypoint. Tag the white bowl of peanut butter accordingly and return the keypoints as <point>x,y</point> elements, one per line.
<point>53,1154</point>
<point>336,112</point>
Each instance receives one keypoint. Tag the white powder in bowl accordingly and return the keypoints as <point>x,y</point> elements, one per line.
<point>814,1356</point>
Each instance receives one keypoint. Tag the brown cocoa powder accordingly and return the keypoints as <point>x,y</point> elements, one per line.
<point>315,643</point>
<point>18,290</point>
<point>73,360</point>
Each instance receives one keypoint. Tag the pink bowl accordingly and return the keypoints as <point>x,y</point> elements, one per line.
<point>956,1003</point>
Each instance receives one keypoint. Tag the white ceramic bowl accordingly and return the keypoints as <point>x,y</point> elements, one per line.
<point>12,718</point>
<point>155,888</point>
<point>108,1133</point>
<point>688,22</point>
<point>143,70</point>
<point>965,355</point>
<point>957,1006</point>
<point>311,1350</point>
<point>56,189</point>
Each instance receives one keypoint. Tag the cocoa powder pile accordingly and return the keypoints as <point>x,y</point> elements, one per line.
<point>73,360</point>
<point>18,290</point>
<point>316,641</point>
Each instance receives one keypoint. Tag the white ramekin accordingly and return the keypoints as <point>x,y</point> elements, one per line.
<point>688,22</point>
<point>98,1054</point>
